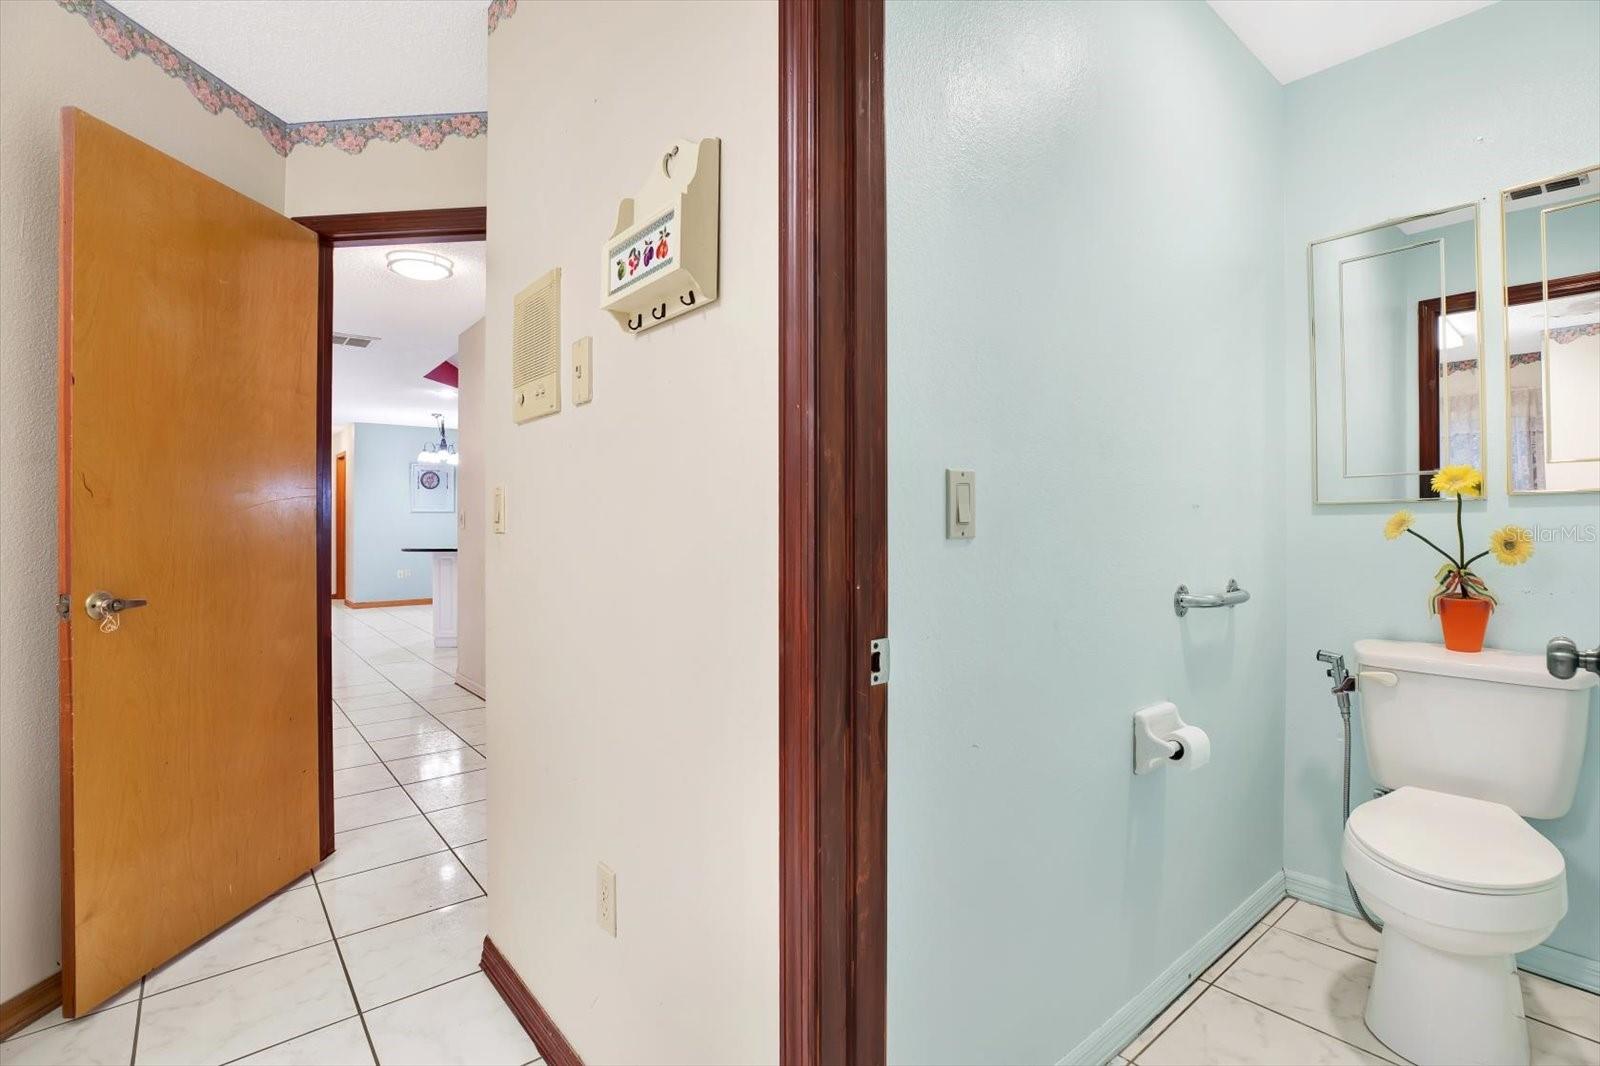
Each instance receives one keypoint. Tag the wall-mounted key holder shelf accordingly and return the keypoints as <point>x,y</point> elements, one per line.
<point>661,259</point>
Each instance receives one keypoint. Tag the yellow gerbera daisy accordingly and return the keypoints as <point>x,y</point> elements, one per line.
<point>1461,480</point>
<point>1512,545</point>
<point>1398,523</point>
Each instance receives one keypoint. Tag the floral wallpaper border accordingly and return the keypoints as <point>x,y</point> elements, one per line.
<point>499,11</point>
<point>126,39</point>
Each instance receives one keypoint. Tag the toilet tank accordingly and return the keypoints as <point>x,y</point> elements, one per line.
<point>1493,725</point>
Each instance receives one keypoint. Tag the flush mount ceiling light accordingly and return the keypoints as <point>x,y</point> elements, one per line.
<point>420,266</point>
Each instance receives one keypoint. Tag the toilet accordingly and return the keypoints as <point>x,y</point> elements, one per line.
<point>1469,745</point>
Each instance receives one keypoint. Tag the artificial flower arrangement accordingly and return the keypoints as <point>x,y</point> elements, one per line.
<point>1461,599</point>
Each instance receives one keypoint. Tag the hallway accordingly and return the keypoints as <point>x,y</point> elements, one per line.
<point>378,948</point>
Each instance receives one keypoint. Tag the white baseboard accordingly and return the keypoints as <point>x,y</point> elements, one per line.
<point>1120,1029</point>
<point>472,686</point>
<point>1544,960</point>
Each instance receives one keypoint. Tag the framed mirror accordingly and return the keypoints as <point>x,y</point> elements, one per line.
<point>1551,247</point>
<point>1396,380</point>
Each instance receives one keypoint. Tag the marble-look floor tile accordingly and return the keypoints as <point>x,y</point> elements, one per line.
<point>104,1037</point>
<point>379,845</point>
<point>1549,1046</point>
<point>389,712</point>
<point>476,857</point>
<point>440,792</point>
<point>370,808</point>
<point>340,1044</point>
<point>346,734</point>
<point>241,1012</point>
<point>286,922</point>
<point>403,727</point>
<point>466,824</point>
<point>395,960</point>
<point>359,779</point>
<point>1333,929</point>
<point>1561,1005</point>
<point>470,717</point>
<point>1240,946</point>
<point>1164,1019</point>
<point>446,704</point>
<point>441,691</point>
<point>352,755</point>
<point>473,734</point>
<point>1221,1029</point>
<point>1312,983</point>
<point>355,704</point>
<point>418,744</point>
<point>365,900</point>
<point>438,764</point>
<point>463,1022</point>
<point>367,688</point>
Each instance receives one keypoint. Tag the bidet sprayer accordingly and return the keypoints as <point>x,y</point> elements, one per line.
<point>1343,683</point>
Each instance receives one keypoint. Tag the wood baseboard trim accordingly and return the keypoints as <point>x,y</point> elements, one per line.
<point>361,605</point>
<point>553,1047</point>
<point>472,687</point>
<point>29,1005</point>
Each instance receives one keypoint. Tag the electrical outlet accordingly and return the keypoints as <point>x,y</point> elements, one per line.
<point>402,573</point>
<point>605,899</point>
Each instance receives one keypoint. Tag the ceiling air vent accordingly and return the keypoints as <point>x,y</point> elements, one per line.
<point>352,340</point>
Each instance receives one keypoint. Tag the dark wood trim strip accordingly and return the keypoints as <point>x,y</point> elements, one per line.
<point>1571,285</point>
<point>325,806</point>
<point>833,535</point>
<point>541,1029</point>
<point>29,1005</point>
<point>361,605</point>
<point>435,225</point>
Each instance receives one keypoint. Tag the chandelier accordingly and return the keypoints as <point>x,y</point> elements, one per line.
<point>443,452</point>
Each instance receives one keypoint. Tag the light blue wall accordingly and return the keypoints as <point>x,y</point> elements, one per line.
<point>1085,307</point>
<point>1507,95</point>
<point>381,519</point>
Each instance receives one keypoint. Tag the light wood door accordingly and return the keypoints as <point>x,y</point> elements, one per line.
<point>188,478</point>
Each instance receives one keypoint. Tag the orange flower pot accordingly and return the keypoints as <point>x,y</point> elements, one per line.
<point>1464,622</point>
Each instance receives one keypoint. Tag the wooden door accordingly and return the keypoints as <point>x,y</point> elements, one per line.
<point>341,474</point>
<point>188,478</point>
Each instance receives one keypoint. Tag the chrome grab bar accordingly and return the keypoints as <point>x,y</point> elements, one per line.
<point>1232,596</point>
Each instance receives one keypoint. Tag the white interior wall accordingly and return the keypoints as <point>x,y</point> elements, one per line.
<point>472,512</point>
<point>632,607</point>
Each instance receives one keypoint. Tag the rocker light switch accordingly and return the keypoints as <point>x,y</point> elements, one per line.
<point>960,504</point>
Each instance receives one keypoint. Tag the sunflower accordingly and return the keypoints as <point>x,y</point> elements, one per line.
<point>1461,480</point>
<point>1512,545</point>
<point>1398,523</point>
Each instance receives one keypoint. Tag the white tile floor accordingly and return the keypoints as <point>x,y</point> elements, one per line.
<point>374,957</point>
<point>1293,989</point>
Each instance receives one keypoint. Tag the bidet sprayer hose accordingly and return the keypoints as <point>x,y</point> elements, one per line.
<point>1343,685</point>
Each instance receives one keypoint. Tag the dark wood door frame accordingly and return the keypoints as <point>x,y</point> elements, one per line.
<point>436,225</point>
<point>833,532</point>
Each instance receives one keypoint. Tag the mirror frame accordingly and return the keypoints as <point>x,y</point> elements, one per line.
<point>1311,323</point>
<point>1505,330</point>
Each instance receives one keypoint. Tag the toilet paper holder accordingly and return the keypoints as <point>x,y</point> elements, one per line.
<point>1154,743</point>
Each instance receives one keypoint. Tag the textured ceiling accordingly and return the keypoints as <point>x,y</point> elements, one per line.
<point>417,324</point>
<point>1294,38</point>
<point>306,60</point>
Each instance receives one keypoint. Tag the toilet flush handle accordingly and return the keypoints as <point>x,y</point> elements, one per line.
<point>1382,677</point>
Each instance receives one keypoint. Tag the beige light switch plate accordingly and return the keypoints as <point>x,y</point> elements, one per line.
<point>582,370</point>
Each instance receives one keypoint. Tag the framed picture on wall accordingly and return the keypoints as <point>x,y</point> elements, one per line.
<point>433,487</point>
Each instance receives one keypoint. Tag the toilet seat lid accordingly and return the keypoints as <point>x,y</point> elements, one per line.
<point>1456,842</point>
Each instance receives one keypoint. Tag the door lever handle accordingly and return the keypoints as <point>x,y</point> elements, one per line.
<point>101,604</point>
